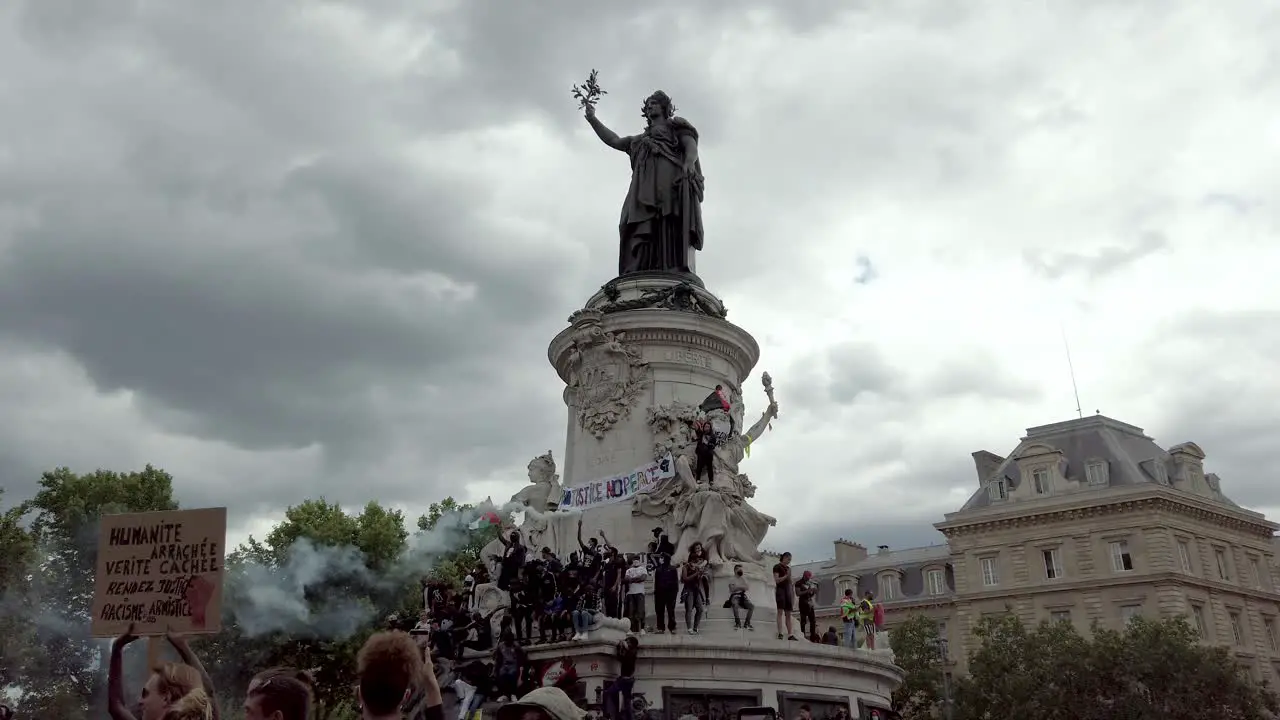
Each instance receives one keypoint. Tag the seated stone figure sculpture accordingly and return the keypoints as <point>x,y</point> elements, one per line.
<point>714,514</point>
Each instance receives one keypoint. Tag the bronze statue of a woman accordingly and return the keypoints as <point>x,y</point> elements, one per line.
<point>661,225</point>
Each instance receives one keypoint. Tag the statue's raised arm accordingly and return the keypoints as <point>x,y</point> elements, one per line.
<point>661,225</point>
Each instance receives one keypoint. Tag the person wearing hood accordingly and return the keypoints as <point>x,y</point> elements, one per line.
<point>666,589</point>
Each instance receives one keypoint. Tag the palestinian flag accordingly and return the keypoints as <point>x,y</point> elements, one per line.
<point>486,519</point>
<point>717,400</point>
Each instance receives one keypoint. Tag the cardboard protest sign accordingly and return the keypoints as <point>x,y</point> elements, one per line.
<point>161,571</point>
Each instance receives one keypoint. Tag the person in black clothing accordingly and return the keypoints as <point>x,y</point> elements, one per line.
<point>806,591</point>
<point>522,607</point>
<point>589,558</point>
<point>484,634</point>
<point>662,543</point>
<point>551,561</point>
<point>441,641</point>
<point>628,648</point>
<point>783,596</point>
<point>614,567</point>
<point>513,555</point>
<point>508,664</point>
<point>666,588</point>
<point>543,591</point>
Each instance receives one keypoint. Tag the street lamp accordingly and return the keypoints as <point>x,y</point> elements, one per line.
<point>940,645</point>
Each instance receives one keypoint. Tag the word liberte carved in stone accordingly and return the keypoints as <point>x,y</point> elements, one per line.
<point>606,376</point>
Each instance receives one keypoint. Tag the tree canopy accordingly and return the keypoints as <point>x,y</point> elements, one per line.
<point>307,594</point>
<point>1152,670</point>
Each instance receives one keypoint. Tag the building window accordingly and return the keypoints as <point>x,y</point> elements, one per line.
<point>937,582</point>
<point>1256,568</point>
<point>1220,556</point>
<point>1197,617</point>
<point>1162,475</point>
<point>1237,630</point>
<point>990,572</point>
<point>1121,560</point>
<point>1269,624</point>
<point>998,490</point>
<point>890,587</point>
<point>843,585</point>
<point>1060,616</point>
<point>1052,564</point>
<point>1129,612</point>
<point>1040,482</point>
<point>1096,472</point>
<point>1184,556</point>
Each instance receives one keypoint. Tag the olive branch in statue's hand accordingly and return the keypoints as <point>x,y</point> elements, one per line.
<point>588,93</point>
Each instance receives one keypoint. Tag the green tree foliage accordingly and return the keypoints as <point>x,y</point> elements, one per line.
<point>467,544</point>
<point>48,557</point>
<point>1150,671</point>
<point>17,558</point>
<point>58,661</point>
<point>915,650</point>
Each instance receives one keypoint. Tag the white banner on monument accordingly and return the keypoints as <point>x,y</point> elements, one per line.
<point>618,488</point>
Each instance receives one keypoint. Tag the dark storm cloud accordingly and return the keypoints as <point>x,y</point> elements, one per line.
<point>227,225</point>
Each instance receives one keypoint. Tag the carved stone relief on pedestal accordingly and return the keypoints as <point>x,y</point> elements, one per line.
<point>606,375</point>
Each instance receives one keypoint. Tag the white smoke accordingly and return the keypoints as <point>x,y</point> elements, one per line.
<point>325,591</point>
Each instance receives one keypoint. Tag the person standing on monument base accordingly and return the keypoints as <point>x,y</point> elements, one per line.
<point>666,588</point>
<point>806,590</point>
<point>849,615</point>
<point>589,558</point>
<point>513,556</point>
<point>635,578</point>
<point>782,596</point>
<point>617,694</point>
<point>694,579</point>
<point>661,222</point>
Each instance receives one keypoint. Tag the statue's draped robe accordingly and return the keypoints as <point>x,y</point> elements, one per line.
<point>661,220</point>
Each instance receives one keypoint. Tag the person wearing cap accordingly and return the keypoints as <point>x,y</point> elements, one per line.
<point>544,703</point>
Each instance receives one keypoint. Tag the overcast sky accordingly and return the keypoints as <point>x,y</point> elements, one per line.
<point>291,249</point>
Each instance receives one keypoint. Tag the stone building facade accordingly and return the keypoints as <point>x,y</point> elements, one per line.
<point>1085,521</point>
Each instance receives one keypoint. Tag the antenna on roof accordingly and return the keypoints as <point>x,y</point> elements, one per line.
<point>1071,368</point>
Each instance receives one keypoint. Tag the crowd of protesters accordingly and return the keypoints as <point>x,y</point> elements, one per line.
<point>562,597</point>
<point>394,677</point>
<point>397,676</point>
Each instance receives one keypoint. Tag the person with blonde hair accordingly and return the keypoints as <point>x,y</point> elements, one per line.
<point>394,672</point>
<point>175,691</point>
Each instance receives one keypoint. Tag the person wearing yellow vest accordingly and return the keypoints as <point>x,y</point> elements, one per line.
<point>849,614</point>
<point>867,619</point>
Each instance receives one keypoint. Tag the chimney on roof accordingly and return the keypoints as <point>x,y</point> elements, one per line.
<point>882,549</point>
<point>849,552</point>
<point>986,463</point>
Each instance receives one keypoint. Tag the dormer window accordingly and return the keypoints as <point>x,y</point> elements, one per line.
<point>842,584</point>
<point>999,489</point>
<point>890,586</point>
<point>1096,472</point>
<point>1161,474</point>
<point>1040,481</point>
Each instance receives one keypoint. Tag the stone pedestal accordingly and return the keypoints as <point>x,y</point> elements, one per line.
<point>640,342</point>
<point>715,676</point>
